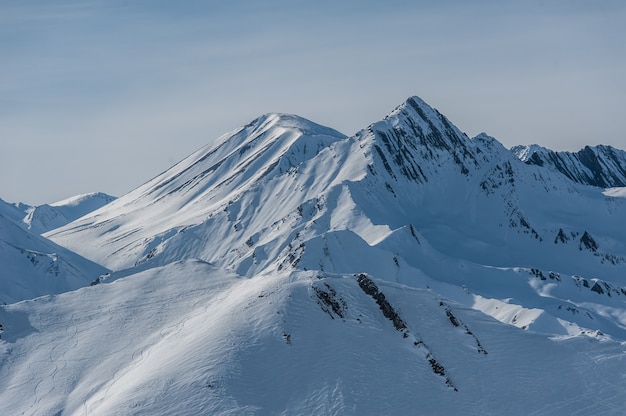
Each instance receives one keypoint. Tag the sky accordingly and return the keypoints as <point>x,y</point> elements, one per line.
<point>104,95</point>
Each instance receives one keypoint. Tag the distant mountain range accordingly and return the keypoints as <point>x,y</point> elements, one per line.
<point>32,265</point>
<point>602,166</point>
<point>287,268</point>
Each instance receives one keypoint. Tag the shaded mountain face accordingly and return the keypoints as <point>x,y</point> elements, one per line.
<point>32,266</point>
<point>601,166</point>
<point>289,269</point>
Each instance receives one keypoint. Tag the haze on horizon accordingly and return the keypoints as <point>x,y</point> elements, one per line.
<point>104,95</point>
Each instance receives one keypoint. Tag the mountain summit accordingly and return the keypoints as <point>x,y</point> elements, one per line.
<point>411,193</point>
<point>281,181</point>
<point>289,269</point>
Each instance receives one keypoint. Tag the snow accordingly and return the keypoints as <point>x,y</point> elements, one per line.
<point>222,344</point>
<point>234,283</point>
<point>33,266</point>
<point>43,218</point>
<point>615,192</point>
<point>525,152</point>
<point>601,166</point>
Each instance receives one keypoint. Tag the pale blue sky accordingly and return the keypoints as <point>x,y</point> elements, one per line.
<point>103,95</point>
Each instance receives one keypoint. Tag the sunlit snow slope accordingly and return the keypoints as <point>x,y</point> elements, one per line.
<point>42,218</point>
<point>191,339</point>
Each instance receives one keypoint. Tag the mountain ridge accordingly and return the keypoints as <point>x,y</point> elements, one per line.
<point>46,217</point>
<point>601,166</point>
<point>289,269</point>
<point>407,149</point>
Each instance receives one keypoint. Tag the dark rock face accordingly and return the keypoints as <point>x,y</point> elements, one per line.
<point>370,288</point>
<point>597,288</point>
<point>561,237</point>
<point>330,303</point>
<point>415,134</point>
<point>602,166</point>
<point>587,242</point>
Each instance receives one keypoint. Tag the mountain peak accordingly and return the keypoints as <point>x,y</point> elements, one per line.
<point>43,218</point>
<point>293,122</point>
<point>415,132</point>
<point>419,119</point>
<point>76,200</point>
<point>526,152</point>
<point>415,108</point>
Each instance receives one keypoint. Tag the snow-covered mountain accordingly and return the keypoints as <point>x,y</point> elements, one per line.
<point>287,268</point>
<point>188,338</point>
<point>602,166</point>
<point>43,218</point>
<point>32,266</point>
<point>411,194</point>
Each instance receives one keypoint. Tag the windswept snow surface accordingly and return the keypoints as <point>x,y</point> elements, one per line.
<point>190,339</point>
<point>290,269</point>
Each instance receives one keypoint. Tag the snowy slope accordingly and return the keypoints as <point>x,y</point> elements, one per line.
<point>190,339</point>
<point>287,268</point>
<point>14,212</point>
<point>33,266</point>
<point>602,166</point>
<point>246,170</point>
<point>43,218</point>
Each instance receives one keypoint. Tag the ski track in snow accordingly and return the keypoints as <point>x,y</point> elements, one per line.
<point>139,355</point>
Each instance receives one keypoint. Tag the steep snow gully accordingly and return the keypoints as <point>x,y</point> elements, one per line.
<point>287,268</point>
